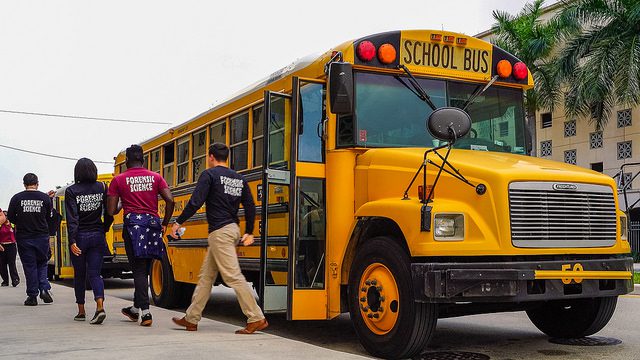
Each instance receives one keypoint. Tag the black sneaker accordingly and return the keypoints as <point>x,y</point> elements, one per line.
<point>133,316</point>
<point>147,320</point>
<point>80,317</point>
<point>45,295</point>
<point>31,301</point>
<point>98,318</point>
<point>15,283</point>
<point>4,284</point>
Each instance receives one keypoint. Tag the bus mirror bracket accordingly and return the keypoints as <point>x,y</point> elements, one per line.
<point>341,88</point>
<point>445,124</point>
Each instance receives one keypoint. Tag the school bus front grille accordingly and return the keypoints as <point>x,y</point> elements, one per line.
<point>547,214</point>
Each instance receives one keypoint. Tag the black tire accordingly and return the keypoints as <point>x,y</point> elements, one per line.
<point>416,321</point>
<point>168,295</point>
<point>573,318</point>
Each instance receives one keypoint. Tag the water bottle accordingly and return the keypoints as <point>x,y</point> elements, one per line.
<point>180,232</point>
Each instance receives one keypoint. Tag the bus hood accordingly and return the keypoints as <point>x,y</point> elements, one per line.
<point>386,173</point>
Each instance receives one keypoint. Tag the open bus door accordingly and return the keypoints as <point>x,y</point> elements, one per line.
<point>292,236</point>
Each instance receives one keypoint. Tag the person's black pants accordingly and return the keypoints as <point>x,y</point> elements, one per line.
<point>140,268</point>
<point>8,259</point>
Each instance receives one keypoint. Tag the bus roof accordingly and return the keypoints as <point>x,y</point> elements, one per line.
<point>469,58</point>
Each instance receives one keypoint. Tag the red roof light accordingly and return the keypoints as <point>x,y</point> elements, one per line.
<point>366,51</point>
<point>520,71</point>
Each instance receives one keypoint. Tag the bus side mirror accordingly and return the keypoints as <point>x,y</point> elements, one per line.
<point>341,88</point>
<point>449,124</point>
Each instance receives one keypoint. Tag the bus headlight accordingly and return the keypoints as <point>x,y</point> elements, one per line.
<point>623,227</point>
<point>448,227</point>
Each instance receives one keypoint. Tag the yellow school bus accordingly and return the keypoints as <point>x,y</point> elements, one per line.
<point>60,266</point>
<point>361,209</point>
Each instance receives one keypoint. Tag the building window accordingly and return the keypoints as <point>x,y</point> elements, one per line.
<point>258,138</point>
<point>169,156</point>
<point>199,153</point>
<point>624,118</point>
<point>545,148</point>
<point>570,156</point>
<point>239,146</point>
<point>624,150</point>
<point>504,129</point>
<point>595,140</point>
<point>599,167</point>
<point>570,128</point>
<point>155,161</point>
<point>627,181</point>
<point>546,120</point>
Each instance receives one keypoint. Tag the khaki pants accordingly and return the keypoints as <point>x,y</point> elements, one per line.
<point>221,257</point>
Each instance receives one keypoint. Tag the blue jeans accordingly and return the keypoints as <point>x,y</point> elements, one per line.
<point>34,255</point>
<point>89,264</point>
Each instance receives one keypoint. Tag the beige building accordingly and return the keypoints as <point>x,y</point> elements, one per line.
<point>576,141</point>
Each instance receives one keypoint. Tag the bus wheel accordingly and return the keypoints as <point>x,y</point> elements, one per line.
<point>389,323</point>
<point>573,318</point>
<point>165,291</point>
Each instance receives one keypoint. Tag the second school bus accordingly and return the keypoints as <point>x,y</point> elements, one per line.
<point>329,145</point>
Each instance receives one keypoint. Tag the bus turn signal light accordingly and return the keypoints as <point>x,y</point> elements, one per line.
<point>366,51</point>
<point>387,53</point>
<point>504,68</point>
<point>520,71</point>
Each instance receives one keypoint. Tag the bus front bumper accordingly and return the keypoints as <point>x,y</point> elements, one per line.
<point>521,281</point>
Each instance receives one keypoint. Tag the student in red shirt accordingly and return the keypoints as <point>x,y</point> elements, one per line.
<point>8,251</point>
<point>138,189</point>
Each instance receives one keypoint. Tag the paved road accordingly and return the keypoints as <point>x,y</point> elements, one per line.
<point>48,331</point>
<point>506,336</point>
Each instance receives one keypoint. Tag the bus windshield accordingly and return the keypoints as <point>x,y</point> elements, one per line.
<point>389,114</point>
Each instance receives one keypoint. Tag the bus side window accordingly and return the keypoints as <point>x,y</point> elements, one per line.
<point>183,160</point>
<point>199,153</point>
<point>155,161</point>
<point>218,132</point>
<point>169,155</point>
<point>312,113</point>
<point>258,137</point>
<point>146,161</point>
<point>239,141</point>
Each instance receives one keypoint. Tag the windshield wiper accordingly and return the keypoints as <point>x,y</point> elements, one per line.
<point>479,92</point>
<point>422,95</point>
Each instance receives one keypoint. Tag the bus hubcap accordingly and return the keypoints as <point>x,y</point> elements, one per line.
<point>156,278</point>
<point>378,299</point>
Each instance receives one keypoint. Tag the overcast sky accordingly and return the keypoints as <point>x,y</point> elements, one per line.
<point>165,61</point>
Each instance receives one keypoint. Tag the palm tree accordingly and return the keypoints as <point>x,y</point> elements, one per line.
<point>600,65</point>
<point>533,41</point>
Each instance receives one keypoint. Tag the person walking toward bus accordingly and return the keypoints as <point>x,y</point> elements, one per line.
<point>8,250</point>
<point>31,211</point>
<point>138,189</point>
<point>86,204</point>
<point>223,190</point>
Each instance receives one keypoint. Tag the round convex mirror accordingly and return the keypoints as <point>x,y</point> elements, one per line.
<point>449,123</point>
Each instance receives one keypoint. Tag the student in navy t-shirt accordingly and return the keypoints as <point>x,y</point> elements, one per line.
<point>31,211</point>
<point>138,189</point>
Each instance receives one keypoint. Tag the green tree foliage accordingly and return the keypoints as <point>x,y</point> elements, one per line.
<point>533,40</point>
<point>600,63</point>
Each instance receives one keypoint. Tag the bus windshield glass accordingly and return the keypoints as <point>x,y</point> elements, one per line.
<point>390,114</point>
